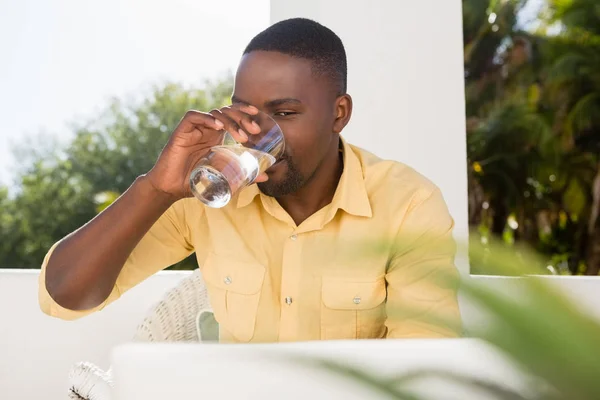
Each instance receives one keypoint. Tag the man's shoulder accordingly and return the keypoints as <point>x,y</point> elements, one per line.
<point>391,176</point>
<point>185,210</point>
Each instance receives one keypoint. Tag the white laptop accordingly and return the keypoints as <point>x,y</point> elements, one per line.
<point>281,371</point>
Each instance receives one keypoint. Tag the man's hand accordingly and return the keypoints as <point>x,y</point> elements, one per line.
<point>192,139</point>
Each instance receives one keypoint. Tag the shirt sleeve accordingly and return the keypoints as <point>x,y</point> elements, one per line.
<point>422,280</point>
<point>166,243</point>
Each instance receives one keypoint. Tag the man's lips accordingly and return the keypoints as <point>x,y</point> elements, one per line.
<point>277,164</point>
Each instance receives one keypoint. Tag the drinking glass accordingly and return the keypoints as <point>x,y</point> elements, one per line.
<point>231,166</point>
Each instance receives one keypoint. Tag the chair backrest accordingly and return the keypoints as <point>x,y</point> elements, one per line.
<point>174,318</point>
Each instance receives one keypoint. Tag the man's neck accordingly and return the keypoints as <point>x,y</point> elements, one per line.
<point>319,190</point>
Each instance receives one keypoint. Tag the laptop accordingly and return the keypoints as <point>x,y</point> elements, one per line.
<point>157,371</point>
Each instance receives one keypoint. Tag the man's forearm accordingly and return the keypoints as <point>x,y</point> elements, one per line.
<point>84,267</point>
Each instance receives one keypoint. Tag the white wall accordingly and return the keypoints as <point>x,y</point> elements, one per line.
<point>37,352</point>
<point>405,74</point>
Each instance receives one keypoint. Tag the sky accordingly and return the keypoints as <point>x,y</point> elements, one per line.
<point>62,60</point>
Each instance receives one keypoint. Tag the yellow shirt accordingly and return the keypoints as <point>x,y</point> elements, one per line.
<point>372,264</point>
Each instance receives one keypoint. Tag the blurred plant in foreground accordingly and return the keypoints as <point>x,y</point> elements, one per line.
<point>547,336</point>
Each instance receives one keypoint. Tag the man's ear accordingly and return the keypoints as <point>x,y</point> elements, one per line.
<point>343,112</point>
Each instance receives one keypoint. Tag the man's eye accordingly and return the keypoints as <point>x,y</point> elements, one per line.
<point>284,113</point>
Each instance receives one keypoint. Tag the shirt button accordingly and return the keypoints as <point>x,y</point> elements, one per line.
<point>227,280</point>
<point>288,301</point>
<point>294,237</point>
<point>356,300</point>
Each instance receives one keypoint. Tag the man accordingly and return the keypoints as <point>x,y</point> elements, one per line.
<point>332,243</point>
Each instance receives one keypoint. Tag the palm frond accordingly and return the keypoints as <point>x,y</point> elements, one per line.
<point>383,386</point>
<point>498,390</point>
<point>543,331</point>
<point>585,114</point>
<point>566,69</point>
<point>576,12</point>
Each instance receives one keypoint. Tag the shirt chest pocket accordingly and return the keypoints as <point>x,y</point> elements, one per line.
<point>234,288</point>
<point>352,309</point>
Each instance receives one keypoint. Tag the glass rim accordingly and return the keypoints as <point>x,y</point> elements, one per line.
<point>264,141</point>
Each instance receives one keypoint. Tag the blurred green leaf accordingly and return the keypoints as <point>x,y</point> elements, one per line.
<point>551,339</point>
<point>575,198</point>
<point>105,199</point>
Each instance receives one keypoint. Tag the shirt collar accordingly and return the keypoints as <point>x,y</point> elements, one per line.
<point>350,195</point>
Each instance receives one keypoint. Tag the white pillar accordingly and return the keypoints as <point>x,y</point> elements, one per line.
<point>405,74</point>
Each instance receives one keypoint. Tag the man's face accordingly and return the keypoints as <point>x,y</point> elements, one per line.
<point>304,106</point>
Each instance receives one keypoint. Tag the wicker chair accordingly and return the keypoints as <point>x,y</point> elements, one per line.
<point>174,319</point>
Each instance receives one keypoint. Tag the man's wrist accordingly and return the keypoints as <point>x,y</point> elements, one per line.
<point>148,189</point>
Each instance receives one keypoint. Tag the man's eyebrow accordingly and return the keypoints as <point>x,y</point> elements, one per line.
<point>269,103</point>
<point>279,102</point>
<point>235,100</point>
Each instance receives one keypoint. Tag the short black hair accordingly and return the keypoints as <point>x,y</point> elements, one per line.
<point>307,39</point>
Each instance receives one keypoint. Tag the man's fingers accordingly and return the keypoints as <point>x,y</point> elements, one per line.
<point>193,119</point>
<point>230,126</point>
<point>244,120</point>
<point>237,120</point>
<point>247,108</point>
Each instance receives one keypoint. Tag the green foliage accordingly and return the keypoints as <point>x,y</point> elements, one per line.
<point>533,128</point>
<point>581,14</point>
<point>63,187</point>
